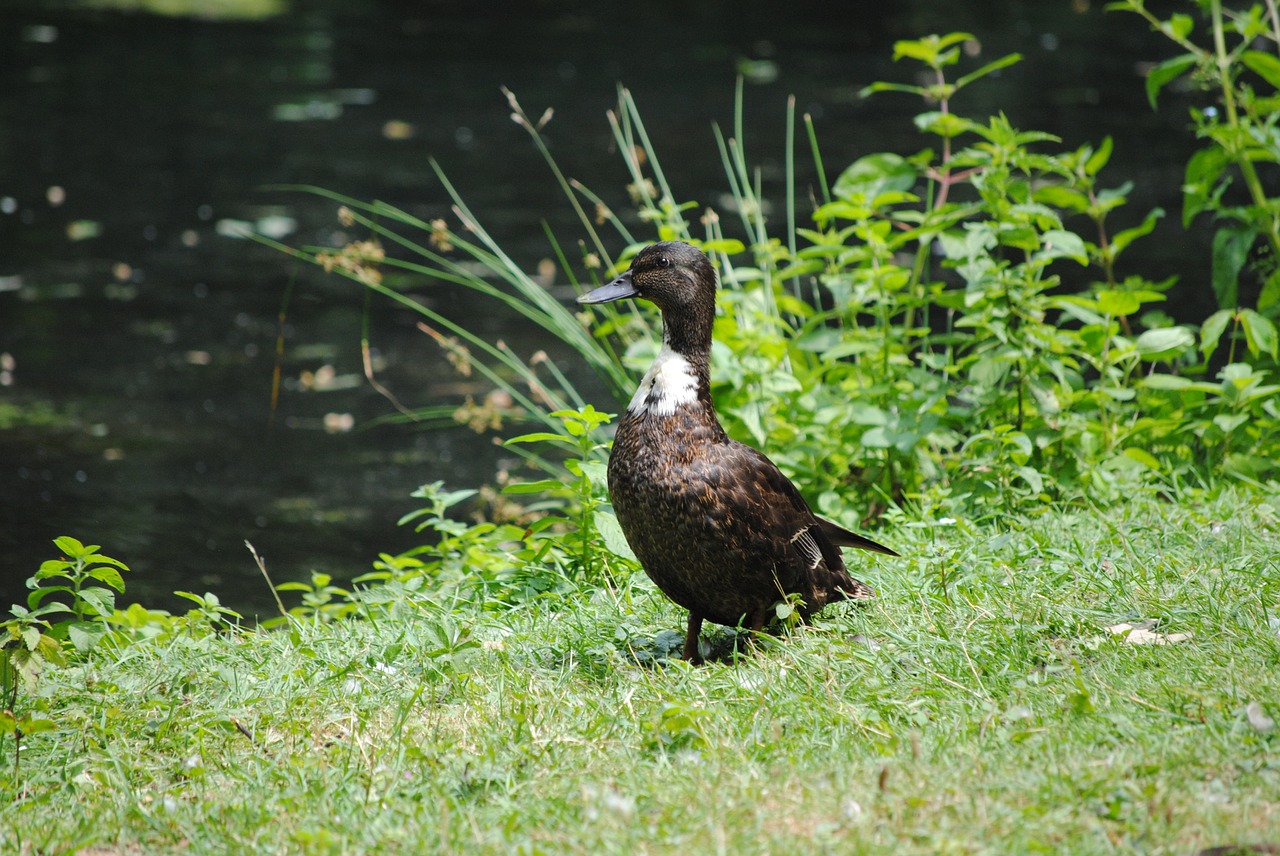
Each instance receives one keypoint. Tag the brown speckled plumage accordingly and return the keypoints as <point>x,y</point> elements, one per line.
<point>716,525</point>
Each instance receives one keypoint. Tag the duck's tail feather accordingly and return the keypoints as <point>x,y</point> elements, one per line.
<point>842,537</point>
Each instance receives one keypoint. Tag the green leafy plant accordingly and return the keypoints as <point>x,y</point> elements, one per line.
<point>1239,67</point>
<point>570,539</point>
<point>678,727</point>
<point>468,562</point>
<point>321,599</point>
<point>576,508</point>
<point>89,581</point>
<point>984,372</point>
<point>208,615</point>
<point>957,326</point>
<point>31,642</point>
<point>27,650</point>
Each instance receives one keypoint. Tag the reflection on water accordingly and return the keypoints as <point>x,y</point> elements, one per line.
<point>209,10</point>
<point>138,332</point>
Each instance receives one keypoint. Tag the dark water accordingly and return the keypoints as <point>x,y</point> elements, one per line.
<point>145,339</point>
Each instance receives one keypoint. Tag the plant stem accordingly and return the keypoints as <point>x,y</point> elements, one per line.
<point>1224,61</point>
<point>791,187</point>
<point>1274,15</point>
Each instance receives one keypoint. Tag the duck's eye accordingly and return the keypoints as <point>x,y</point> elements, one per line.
<point>663,261</point>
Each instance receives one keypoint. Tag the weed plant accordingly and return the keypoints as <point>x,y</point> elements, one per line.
<point>954,328</point>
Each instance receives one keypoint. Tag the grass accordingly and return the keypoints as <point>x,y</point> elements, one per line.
<point>979,705</point>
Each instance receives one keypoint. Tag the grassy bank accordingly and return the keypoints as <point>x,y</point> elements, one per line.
<point>979,705</point>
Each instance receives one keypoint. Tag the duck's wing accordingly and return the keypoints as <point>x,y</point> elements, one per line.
<point>805,546</point>
<point>771,483</point>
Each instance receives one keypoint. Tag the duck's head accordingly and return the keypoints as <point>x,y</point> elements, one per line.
<point>676,277</point>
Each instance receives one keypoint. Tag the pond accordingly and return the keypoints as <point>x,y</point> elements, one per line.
<point>138,336</point>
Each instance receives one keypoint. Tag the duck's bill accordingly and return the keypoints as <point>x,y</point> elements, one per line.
<point>617,290</point>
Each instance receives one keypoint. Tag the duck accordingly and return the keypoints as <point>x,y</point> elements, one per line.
<point>715,524</point>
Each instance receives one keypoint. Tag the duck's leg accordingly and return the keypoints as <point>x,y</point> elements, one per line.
<point>691,652</point>
<point>753,624</point>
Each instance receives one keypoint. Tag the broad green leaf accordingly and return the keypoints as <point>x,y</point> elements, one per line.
<point>1212,329</point>
<point>1099,158</point>
<point>1165,73</point>
<point>987,372</point>
<point>50,650</point>
<point>537,437</point>
<point>596,471</point>
<point>1061,244</point>
<point>1259,333</point>
<point>869,176</point>
<point>35,726</point>
<point>892,197</point>
<point>611,533</point>
<point>1021,237</point>
<point>916,49</point>
<point>1250,468</point>
<point>876,438</point>
<point>995,65</point>
<point>534,486</point>
<point>882,86</point>
<point>53,568</point>
<point>1062,197</point>
<point>1163,381</point>
<point>953,38</point>
<point>841,210</point>
<point>745,274</point>
<point>1124,238</point>
<point>930,49</point>
<point>102,601</point>
<point>108,575</point>
<point>943,124</point>
<point>540,524</point>
<point>1265,65</point>
<point>1022,445</point>
<point>1163,343</point>
<point>1115,302</point>
<point>85,635</point>
<point>1178,27</point>
<point>1238,374</point>
<point>728,246</point>
<point>818,340</point>
<point>38,595</point>
<point>861,413</point>
<point>588,416</point>
<point>1270,294</point>
<point>1119,393</point>
<point>1231,245</point>
<point>71,547</point>
<point>1033,478</point>
<point>1143,457</point>
<point>1204,168</point>
<point>750,417</point>
<point>1229,422</point>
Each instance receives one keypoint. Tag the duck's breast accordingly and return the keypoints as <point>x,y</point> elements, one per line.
<point>705,524</point>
